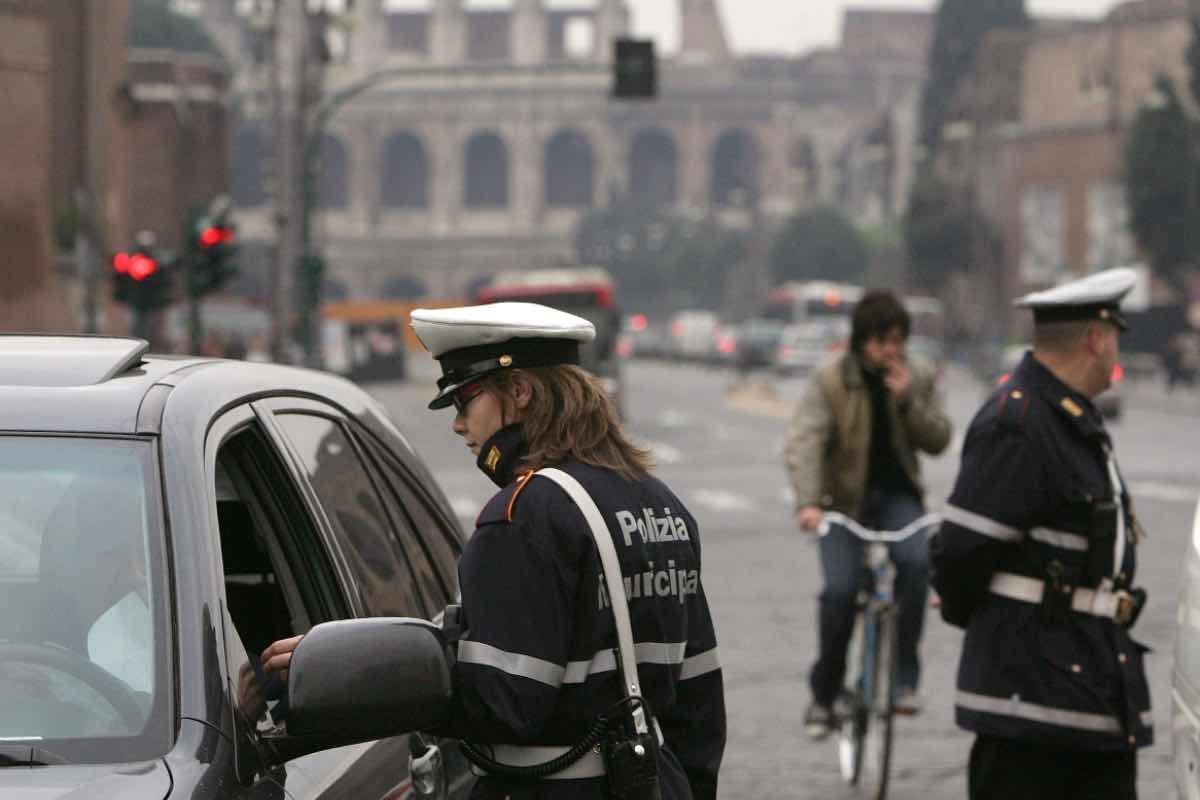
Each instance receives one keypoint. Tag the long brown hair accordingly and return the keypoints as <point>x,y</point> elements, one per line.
<point>570,414</point>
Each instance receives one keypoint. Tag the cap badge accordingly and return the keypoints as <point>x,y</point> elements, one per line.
<point>1072,407</point>
<point>493,459</point>
<point>1105,313</point>
<point>1017,394</point>
<point>506,361</point>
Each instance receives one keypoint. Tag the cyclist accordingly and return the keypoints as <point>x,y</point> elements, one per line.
<point>852,448</point>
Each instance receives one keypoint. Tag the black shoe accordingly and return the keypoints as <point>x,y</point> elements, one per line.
<point>818,721</point>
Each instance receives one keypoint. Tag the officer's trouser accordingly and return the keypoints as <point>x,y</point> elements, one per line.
<point>1005,769</point>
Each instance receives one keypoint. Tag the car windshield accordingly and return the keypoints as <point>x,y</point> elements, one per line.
<point>83,668</point>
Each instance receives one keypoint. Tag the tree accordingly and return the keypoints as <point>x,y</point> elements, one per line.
<point>660,258</point>
<point>1161,183</point>
<point>937,233</point>
<point>959,30</point>
<point>819,244</point>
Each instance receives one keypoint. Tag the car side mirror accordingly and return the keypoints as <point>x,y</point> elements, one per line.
<point>359,680</point>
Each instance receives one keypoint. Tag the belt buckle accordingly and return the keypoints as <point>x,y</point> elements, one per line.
<point>1124,613</point>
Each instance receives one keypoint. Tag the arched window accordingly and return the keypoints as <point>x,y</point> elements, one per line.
<point>654,169</point>
<point>249,168</point>
<point>735,165</point>
<point>486,175</point>
<point>405,173</point>
<point>568,170</point>
<point>334,182</point>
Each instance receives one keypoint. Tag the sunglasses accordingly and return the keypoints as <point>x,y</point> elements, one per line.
<point>463,397</point>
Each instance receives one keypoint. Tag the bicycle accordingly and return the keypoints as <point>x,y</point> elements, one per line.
<point>867,709</point>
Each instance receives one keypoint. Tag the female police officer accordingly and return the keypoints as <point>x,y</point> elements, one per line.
<point>536,663</point>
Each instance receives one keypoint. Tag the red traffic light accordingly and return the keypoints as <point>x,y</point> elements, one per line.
<point>213,236</point>
<point>137,265</point>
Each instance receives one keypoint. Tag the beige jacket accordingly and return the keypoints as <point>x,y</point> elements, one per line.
<point>828,449</point>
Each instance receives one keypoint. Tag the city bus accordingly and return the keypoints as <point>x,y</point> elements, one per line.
<point>808,301</point>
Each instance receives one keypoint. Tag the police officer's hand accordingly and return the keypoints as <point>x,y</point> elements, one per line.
<point>899,380</point>
<point>808,519</point>
<point>278,655</point>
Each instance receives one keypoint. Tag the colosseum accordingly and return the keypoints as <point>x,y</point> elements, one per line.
<point>487,133</point>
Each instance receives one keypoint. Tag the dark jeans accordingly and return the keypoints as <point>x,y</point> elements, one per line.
<point>1005,769</point>
<point>841,561</point>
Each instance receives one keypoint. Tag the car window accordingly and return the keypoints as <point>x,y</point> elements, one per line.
<point>427,540</point>
<point>83,615</point>
<point>384,577</point>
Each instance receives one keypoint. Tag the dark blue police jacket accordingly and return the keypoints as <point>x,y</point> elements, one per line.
<point>1034,502</point>
<point>536,665</point>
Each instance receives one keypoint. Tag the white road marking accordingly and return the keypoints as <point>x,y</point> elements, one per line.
<point>721,501</point>
<point>1166,492</point>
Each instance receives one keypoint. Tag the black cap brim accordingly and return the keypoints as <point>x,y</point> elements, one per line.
<point>1081,313</point>
<point>468,364</point>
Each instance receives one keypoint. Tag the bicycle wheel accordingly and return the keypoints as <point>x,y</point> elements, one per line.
<point>876,754</point>
<point>852,707</point>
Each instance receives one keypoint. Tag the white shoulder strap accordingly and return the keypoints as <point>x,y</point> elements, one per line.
<point>612,574</point>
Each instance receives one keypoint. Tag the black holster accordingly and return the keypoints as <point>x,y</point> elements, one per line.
<point>1061,581</point>
<point>1102,539</point>
<point>631,760</point>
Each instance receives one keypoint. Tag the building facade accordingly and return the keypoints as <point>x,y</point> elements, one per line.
<point>486,135</point>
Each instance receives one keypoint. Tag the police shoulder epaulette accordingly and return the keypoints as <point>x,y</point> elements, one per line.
<point>1012,406</point>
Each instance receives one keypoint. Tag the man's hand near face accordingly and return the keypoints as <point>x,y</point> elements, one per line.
<point>899,379</point>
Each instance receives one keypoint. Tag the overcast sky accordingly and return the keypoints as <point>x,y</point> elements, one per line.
<point>791,26</point>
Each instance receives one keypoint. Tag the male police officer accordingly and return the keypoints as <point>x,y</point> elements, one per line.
<point>1035,558</point>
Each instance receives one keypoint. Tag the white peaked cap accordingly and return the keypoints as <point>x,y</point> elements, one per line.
<point>472,341</point>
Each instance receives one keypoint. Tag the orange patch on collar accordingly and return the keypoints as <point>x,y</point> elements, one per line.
<point>1072,407</point>
<point>512,501</point>
<point>493,459</point>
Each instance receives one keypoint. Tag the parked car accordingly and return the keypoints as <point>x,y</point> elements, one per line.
<point>694,335</point>
<point>752,343</point>
<point>1110,403</point>
<point>164,519</point>
<point>804,345</point>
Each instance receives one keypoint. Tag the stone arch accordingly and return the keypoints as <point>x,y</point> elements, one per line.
<point>568,170</point>
<point>333,183</point>
<point>334,289</point>
<point>403,287</point>
<point>485,173</point>
<point>654,168</point>
<point>736,160</point>
<point>405,178</point>
<point>249,163</point>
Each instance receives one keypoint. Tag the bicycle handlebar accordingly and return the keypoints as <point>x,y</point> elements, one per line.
<point>831,518</point>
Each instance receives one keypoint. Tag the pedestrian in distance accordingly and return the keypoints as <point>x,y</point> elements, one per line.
<point>853,448</point>
<point>1035,558</point>
<point>536,664</point>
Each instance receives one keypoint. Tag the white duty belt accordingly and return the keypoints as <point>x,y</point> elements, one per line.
<point>1097,602</point>
<point>591,765</point>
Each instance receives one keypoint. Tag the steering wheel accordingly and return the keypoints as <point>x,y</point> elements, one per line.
<point>112,689</point>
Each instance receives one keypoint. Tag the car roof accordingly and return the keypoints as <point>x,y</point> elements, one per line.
<point>113,385</point>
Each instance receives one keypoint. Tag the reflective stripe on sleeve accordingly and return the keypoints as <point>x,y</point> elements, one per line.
<point>666,653</point>
<point>702,664</point>
<point>1061,539</point>
<point>517,664</point>
<point>980,524</point>
<point>1016,707</point>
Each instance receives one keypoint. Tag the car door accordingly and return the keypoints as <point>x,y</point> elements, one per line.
<point>388,567</point>
<point>287,568</point>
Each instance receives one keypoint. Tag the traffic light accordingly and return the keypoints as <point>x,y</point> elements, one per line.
<point>211,251</point>
<point>635,71</point>
<point>141,279</point>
